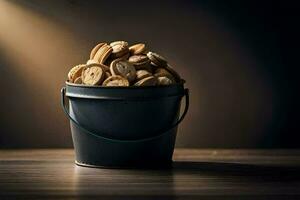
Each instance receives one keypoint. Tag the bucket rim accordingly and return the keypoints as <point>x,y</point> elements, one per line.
<point>181,83</point>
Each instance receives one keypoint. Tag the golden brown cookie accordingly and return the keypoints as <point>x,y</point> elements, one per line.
<point>123,68</point>
<point>91,61</point>
<point>173,72</point>
<point>135,59</point>
<point>105,67</point>
<point>160,72</point>
<point>168,72</point>
<point>125,57</point>
<point>78,80</point>
<point>75,72</point>
<point>137,49</point>
<point>115,81</point>
<point>152,67</point>
<point>157,59</point>
<point>155,66</point>
<point>92,74</point>
<point>140,74</point>
<point>103,53</point>
<point>163,80</point>
<point>119,48</point>
<point>107,74</point>
<point>110,59</point>
<point>140,62</point>
<point>148,81</point>
<point>95,49</point>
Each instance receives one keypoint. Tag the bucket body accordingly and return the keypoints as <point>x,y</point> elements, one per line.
<point>123,127</point>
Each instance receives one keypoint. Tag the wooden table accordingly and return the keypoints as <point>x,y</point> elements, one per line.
<point>209,174</point>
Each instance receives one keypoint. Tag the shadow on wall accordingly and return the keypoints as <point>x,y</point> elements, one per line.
<point>231,98</point>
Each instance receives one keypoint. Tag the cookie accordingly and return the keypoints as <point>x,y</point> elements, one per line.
<point>137,49</point>
<point>123,68</point>
<point>107,74</point>
<point>148,81</point>
<point>92,74</point>
<point>115,81</point>
<point>162,72</point>
<point>169,72</point>
<point>78,80</point>
<point>163,80</point>
<point>104,67</point>
<point>155,66</point>
<point>140,74</point>
<point>126,56</point>
<point>91,61</point>
<point>103,53</point>
<point>119,48</point>
<point>140,62</point>
<point>95,49</point>
<point>157,59</point>
<point>135,59</point>
<point>173,72</point>
<point>75,72</point>
<point>152,67</point>
<point>110,59</point>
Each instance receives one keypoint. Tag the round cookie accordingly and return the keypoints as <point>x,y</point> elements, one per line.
<point>140,74</point>
<point>91,61</point>
<point>103,53</point>
<point>173,72</point>
<point>103,66</point>
<point>75,72</point>
<point>125,57</point>
<point>95,49</point>
<point>137,49</point>
<point>140,62</point>
<point>78,80</point>
<point>111,58</point>
<point>162,72</point>
<point>123,68</point>
<point>136,59</point>
<point>119,48</point>
<point>107,74</point>
<point>115,81</point>
<point>148,81</point>
<point>152,67</point>
<point>92,74</point>
<point>157,59</point>
<point>163,80</point>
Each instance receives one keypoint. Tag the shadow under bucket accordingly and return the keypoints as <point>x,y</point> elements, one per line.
<point>117,127</point>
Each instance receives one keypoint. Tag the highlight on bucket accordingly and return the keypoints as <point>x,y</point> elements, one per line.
<point>124,107</point>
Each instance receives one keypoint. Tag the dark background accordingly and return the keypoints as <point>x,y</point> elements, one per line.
<point>239,58</point>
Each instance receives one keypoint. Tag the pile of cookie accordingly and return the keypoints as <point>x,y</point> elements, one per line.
<point>118,64</point>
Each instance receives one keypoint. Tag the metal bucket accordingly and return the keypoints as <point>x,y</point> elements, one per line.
<point>117,127</point>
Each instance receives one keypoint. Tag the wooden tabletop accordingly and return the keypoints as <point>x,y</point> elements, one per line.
<point>209,174</point>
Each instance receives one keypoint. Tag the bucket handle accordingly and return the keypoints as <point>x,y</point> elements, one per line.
<point>186,94</point>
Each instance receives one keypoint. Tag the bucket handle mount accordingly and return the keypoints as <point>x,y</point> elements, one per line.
<point>186,94</point>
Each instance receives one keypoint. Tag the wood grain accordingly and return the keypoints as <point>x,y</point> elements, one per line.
<point>209,174</point>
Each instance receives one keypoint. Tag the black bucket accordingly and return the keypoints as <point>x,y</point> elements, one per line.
<point>119,127</point>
